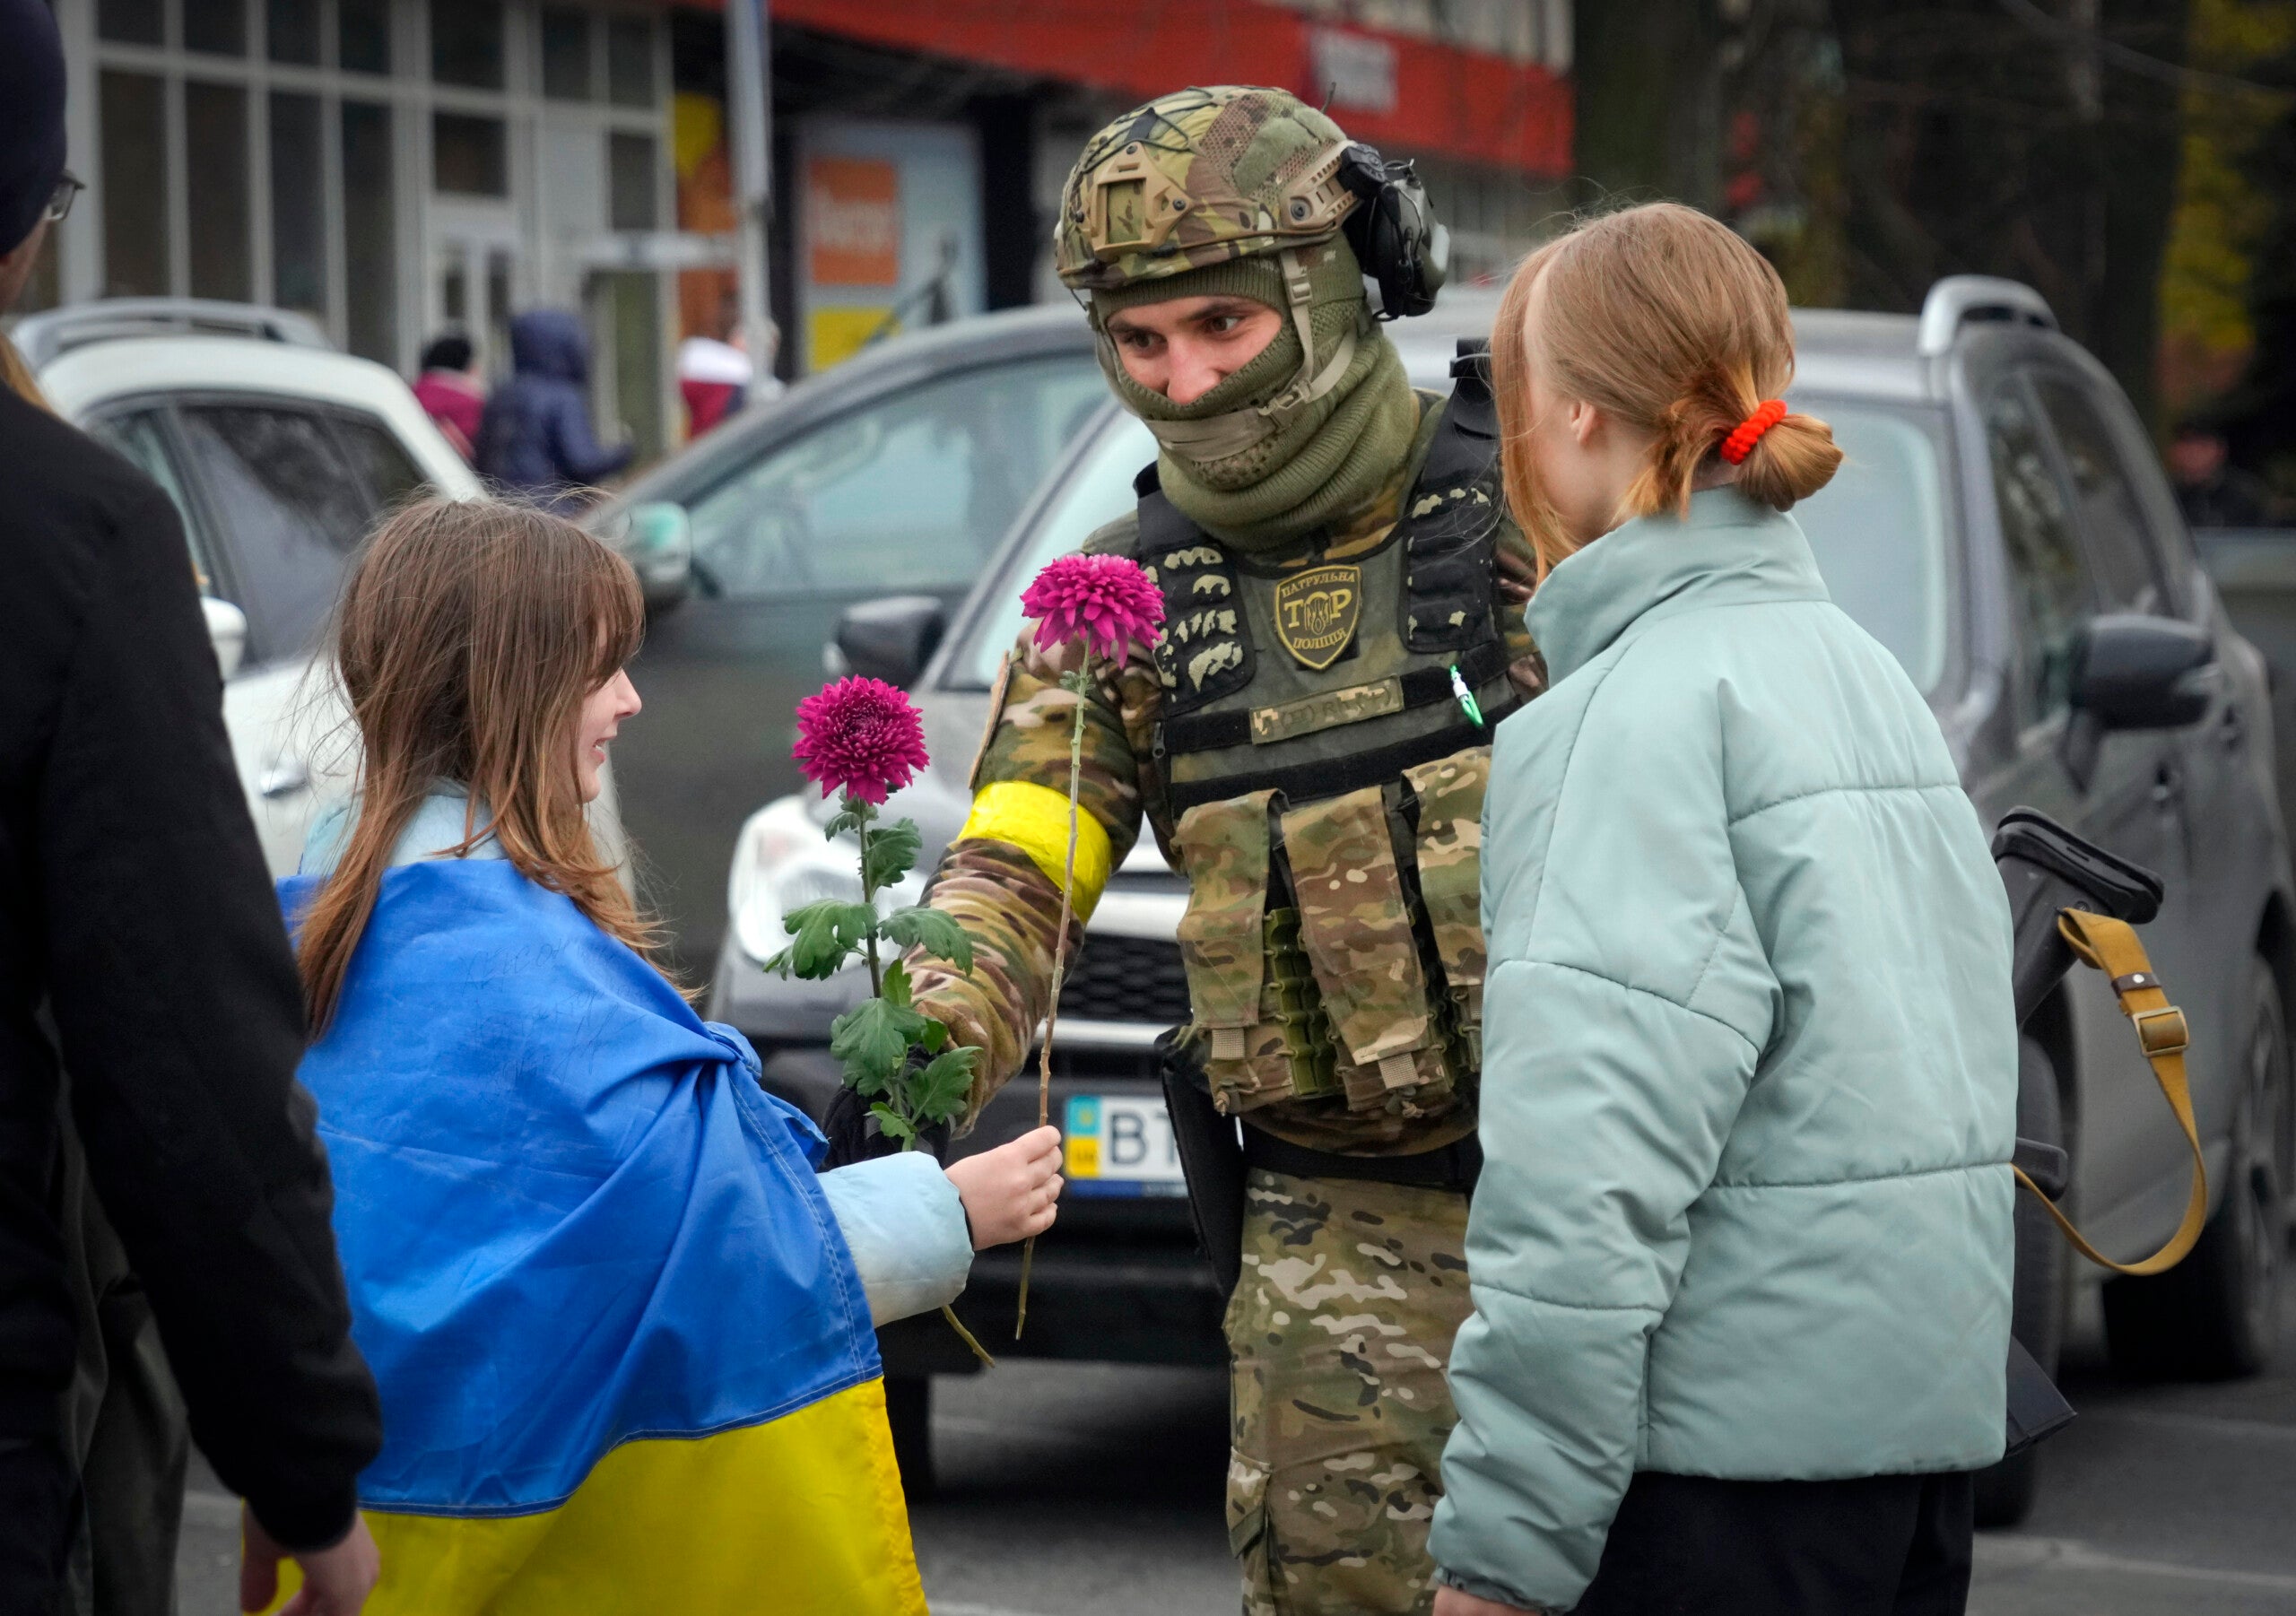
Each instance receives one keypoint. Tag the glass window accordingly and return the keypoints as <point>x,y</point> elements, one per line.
<point>370,233</point>
<point>1880,529</point>
<point>912,491</point>
<point>133,113</point>
<point>130,22</point>
<point>290,32</point>
<point>565,54</point>
<point>2047,575</point>
<point>380,462</point>
<point>362,35</point>
<point>2112,523</point>
<point>1097,492</point>
<point>139,435</point>
<point>215,127</point>
<point>466,43</point>
<point>216,26</point>
<point>630,61</point>
<point>299,505</point>
<point>469,156</point>
<point>630,182</point>
<point>298,205</point>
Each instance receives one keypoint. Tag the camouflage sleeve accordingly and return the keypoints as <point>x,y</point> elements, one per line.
<point>1000,878</point>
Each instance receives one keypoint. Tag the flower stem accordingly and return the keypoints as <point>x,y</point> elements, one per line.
<point>865,812</point>
<point>957,1324</point>
<point>1075,683</point>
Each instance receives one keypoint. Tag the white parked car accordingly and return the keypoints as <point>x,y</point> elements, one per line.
<point>280,453</point>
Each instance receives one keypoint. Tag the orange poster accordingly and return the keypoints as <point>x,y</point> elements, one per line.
<point>852,222</point>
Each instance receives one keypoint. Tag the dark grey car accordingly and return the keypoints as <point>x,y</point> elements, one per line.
<point>2002,525</point>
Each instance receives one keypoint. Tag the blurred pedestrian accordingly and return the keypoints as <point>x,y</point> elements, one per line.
<point>625,1362</point>
<point>1740,1254</point>
<point>2211,491</point>
<point>449,391</point>
<point>535,438</point>
<point>714,371</point>
<point>141,952</point>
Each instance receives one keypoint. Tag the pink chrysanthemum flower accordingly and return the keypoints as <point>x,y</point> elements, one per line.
<point>1106,600</point>
<point>859,735</point>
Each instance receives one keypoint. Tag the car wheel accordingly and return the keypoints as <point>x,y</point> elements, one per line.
<point>2216,1313</point>
<point>909,1410</point>
<point>2006,1492</point>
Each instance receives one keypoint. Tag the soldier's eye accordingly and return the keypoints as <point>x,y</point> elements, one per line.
<point>1225,325</point>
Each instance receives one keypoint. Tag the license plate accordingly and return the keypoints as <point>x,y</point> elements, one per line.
<point>1120,1144</point>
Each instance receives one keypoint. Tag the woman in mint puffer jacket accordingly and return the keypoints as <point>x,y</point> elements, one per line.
<point>1741,1251</point>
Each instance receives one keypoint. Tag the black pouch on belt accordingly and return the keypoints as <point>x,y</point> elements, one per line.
<point>1212,1157</point>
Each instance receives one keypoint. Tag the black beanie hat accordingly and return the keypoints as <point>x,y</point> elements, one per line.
<point>31,116</point>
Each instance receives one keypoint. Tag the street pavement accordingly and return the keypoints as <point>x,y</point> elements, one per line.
<point>1092,1489</point>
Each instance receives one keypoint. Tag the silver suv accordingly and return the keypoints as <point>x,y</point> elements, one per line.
<point>1999,501</point>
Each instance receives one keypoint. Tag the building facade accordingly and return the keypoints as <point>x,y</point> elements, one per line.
<point>400,167</point>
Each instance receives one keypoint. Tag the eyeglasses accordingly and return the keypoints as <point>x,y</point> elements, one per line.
<point>60,201</point>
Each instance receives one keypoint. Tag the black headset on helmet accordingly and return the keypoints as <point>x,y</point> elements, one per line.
<point>1394,231</point>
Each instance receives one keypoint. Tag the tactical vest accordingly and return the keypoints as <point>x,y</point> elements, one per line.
<point>1324,747</point>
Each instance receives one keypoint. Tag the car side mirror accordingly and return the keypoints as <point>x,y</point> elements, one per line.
<point>658,540</point>
<point>891,639</point>
<point>227,632</point>
<point>2131,671</point>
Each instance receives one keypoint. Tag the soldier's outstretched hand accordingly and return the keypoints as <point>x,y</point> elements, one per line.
<point>1012,1192</point>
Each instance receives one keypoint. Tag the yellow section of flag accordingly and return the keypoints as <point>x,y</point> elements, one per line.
<point>800,1516</point>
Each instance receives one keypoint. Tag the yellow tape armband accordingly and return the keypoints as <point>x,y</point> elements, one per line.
<point>1035,820</point>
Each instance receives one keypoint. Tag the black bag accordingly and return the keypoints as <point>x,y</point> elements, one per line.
<point>2047,869</point>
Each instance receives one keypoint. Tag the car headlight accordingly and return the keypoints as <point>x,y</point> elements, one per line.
<point>782,862</point>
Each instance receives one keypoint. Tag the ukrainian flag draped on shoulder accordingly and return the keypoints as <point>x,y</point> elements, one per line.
<point>625,1359</point>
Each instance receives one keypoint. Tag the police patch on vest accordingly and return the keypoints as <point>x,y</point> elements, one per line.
<point>1316,612</point>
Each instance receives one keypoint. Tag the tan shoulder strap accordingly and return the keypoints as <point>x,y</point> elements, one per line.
<point>2112,947</point>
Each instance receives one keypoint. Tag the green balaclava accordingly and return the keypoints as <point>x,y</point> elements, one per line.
<point>1261,480</point>
<point>1239,190</point>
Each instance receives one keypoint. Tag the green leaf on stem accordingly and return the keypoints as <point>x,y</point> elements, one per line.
<point>851,816</point>
<point>933,1036</point>
<point>897,985</point>
<point>937,933</point>
<point>826,933</point>
<point>892,853</point>
<point>938,1091</point>
<point>871,1041</point>
<point>893,1124</point>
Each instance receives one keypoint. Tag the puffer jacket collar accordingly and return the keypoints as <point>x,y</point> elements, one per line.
<point>1728,552</point>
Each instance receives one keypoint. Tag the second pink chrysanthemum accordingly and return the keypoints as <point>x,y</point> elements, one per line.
<point>1106,600</point>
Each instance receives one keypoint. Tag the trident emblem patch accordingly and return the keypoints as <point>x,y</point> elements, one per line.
<point>1316,612</point>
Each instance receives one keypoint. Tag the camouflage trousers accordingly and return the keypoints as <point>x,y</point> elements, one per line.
<point>1339,1334</point>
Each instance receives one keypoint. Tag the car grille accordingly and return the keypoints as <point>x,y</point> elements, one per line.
<point>1126,979</point>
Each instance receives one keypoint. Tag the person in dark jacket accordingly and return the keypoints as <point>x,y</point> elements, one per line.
<point>537,439</point>
<point>140,948</point>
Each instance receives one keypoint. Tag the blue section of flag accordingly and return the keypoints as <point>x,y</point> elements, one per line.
<point>569,1215</point>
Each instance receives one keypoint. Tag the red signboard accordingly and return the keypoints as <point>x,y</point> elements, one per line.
<point>852,222</point>
<point>1420,96</point>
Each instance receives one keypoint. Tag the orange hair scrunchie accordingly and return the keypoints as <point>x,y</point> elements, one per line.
<point>1743,437</point>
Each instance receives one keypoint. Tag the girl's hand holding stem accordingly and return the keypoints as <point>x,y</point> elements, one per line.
<point>1011,1192</point>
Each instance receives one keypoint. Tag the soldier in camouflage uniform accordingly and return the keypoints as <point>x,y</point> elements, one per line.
<point>1309,744</point>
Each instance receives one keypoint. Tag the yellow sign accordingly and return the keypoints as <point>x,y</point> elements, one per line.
<point>1316,612</point>
<point>837,333</point>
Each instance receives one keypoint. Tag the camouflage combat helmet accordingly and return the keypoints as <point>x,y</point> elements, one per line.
<point>1197,177</point>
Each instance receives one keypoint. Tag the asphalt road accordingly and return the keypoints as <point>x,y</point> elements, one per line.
<point>1068,1487</point>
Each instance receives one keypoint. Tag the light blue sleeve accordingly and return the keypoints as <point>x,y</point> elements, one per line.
<point>904,1226</point>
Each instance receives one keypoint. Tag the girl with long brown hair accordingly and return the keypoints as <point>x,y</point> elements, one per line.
<point>622,1328</point>
<point>1740,1252</point>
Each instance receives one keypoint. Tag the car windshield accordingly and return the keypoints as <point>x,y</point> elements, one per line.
<point>911,489</point>
<point>1879,530</point>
